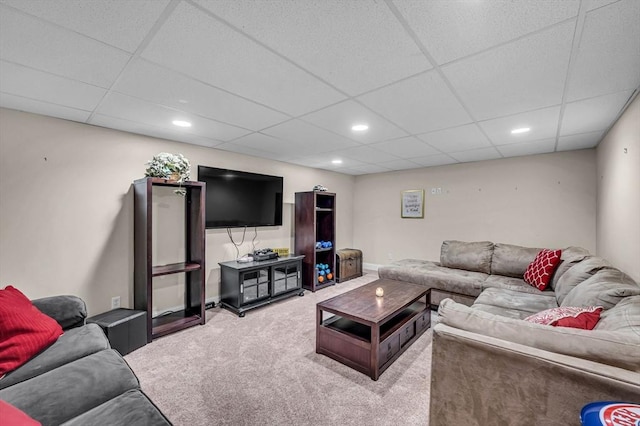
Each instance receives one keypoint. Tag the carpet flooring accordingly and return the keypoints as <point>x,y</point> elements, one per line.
<point>263,370</point>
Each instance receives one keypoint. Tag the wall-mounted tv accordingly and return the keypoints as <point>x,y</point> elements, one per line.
<point>238,199</point>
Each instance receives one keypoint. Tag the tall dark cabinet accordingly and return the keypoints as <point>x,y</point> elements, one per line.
<point>315,221</point>
<point>192,266</point>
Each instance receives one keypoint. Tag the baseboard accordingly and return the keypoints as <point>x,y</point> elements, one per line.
<point>370,266</point>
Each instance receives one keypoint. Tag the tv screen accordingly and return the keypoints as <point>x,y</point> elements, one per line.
<point>237,199</point>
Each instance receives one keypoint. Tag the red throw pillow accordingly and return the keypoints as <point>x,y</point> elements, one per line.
<point>568,316</point>
<point>539,272</point>
<point>24,330</point>
<point>10,415</point>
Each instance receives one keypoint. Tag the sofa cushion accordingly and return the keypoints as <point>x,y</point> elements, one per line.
<point>82,385</point>
<point>470,256</point>
<point>568,316</point>
<point>625,316</point>
<point>432,275</point>
<point>510,260</point>
<point>517,300</point>
<point>510,283</point>
<point>132,408</point>
<point>570,257</point>
<point>577,274</point>
<point>24,330</point>
<point>72,345</point>
<point>605,288</point>
<point>539,272</point>
<point>619,349</point>
<point>505,312</point>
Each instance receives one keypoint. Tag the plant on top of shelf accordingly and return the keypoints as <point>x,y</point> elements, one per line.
<point>173,167</point>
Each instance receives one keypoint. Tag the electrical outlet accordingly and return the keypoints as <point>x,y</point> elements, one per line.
<point>390,256</point>
<point>115,302</point>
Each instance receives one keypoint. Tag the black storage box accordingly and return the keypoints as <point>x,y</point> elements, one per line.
<point>126,329</point>
<point>348,264</point>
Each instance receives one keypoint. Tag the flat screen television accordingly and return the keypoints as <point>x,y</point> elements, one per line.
<point>238,199</point>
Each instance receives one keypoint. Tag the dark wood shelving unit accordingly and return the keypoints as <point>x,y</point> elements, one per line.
<point>193,265</point>
<point>315,220</point>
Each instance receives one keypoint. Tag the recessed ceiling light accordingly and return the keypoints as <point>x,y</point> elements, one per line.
<point>520,130</point>
<point>359,127</point>
<point>336,161</point>
<point>181,123</point>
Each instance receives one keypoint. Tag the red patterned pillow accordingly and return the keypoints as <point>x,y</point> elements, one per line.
<point>584,318</point>
<point>10,415</point>
<point>539,272</point>
<point>24,330</point>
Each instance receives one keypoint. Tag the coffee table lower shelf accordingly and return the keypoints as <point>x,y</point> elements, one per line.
<point>353,343</point>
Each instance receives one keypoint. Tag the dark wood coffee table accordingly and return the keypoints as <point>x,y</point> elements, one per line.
<point>368,333</point>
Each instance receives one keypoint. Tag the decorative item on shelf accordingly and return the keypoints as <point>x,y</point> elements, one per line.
<point>320,188</point>
<point>324,272</point>
<point>379,292</point>
<point>173,167</point>
<point>323,244</point>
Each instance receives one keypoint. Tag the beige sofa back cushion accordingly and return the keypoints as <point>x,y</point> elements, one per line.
<point>512,261</point>
<point>578,273</point>
<point>471,256</point>
<point>605,288</point>
<point>617,348</point>
<point>625,316</point>
<point>570,257</point>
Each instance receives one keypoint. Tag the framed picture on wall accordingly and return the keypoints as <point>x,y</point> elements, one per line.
<point>412,204</point>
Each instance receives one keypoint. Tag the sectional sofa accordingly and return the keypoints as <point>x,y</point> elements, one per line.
<point>492,366</point>
<point>78,380</point>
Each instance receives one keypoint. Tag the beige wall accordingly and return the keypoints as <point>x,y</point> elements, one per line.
<point>618,217</point>
<point>66,208</point>
<point>541,201</point>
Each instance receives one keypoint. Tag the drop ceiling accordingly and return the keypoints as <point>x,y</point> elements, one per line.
<point>437,81</point>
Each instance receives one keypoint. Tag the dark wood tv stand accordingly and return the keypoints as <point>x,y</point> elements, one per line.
<point>246,286</point>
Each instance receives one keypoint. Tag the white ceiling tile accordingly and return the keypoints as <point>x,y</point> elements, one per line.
<point>208,50</point>
<point>592,114</point>
<point>120,23</point>
<point>352,172</point>
<point>33,84</point>
<point>159,85</point>
<point>543,124</point>
<point>150,130</point>
<point>476,155</point>
<point>453,29</point>
<point>308,161</point>
<point>340,117</point>
<point>583,141</point>
<point>366,154</point>
<point>609,55</point>
<point>29,41</point>
<point>408,147</point>
<point>400,165</point>
<point>527,148</point>
<point>434,160</point>
<point>38,107</point>
<point>281,149</point>
<point>418,104</point>
<point>371,168</point>
<point>244,149</point>
<point>311,139</point>
<point>594,4</point>
<point>358,46</point>
<point>128,108</point>
<point>527,74</point>
<point>456,139</point>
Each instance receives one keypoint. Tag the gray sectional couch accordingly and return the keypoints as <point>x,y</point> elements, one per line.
<point>491,367</point>
<point>79,380</point>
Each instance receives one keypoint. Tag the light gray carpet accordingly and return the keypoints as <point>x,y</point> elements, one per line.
<point>263,370</point>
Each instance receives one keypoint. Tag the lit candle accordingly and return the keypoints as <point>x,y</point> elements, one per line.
<point>379,292</point>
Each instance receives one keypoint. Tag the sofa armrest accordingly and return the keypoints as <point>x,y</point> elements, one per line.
<point>481,380</point>
<point>69,311</point>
